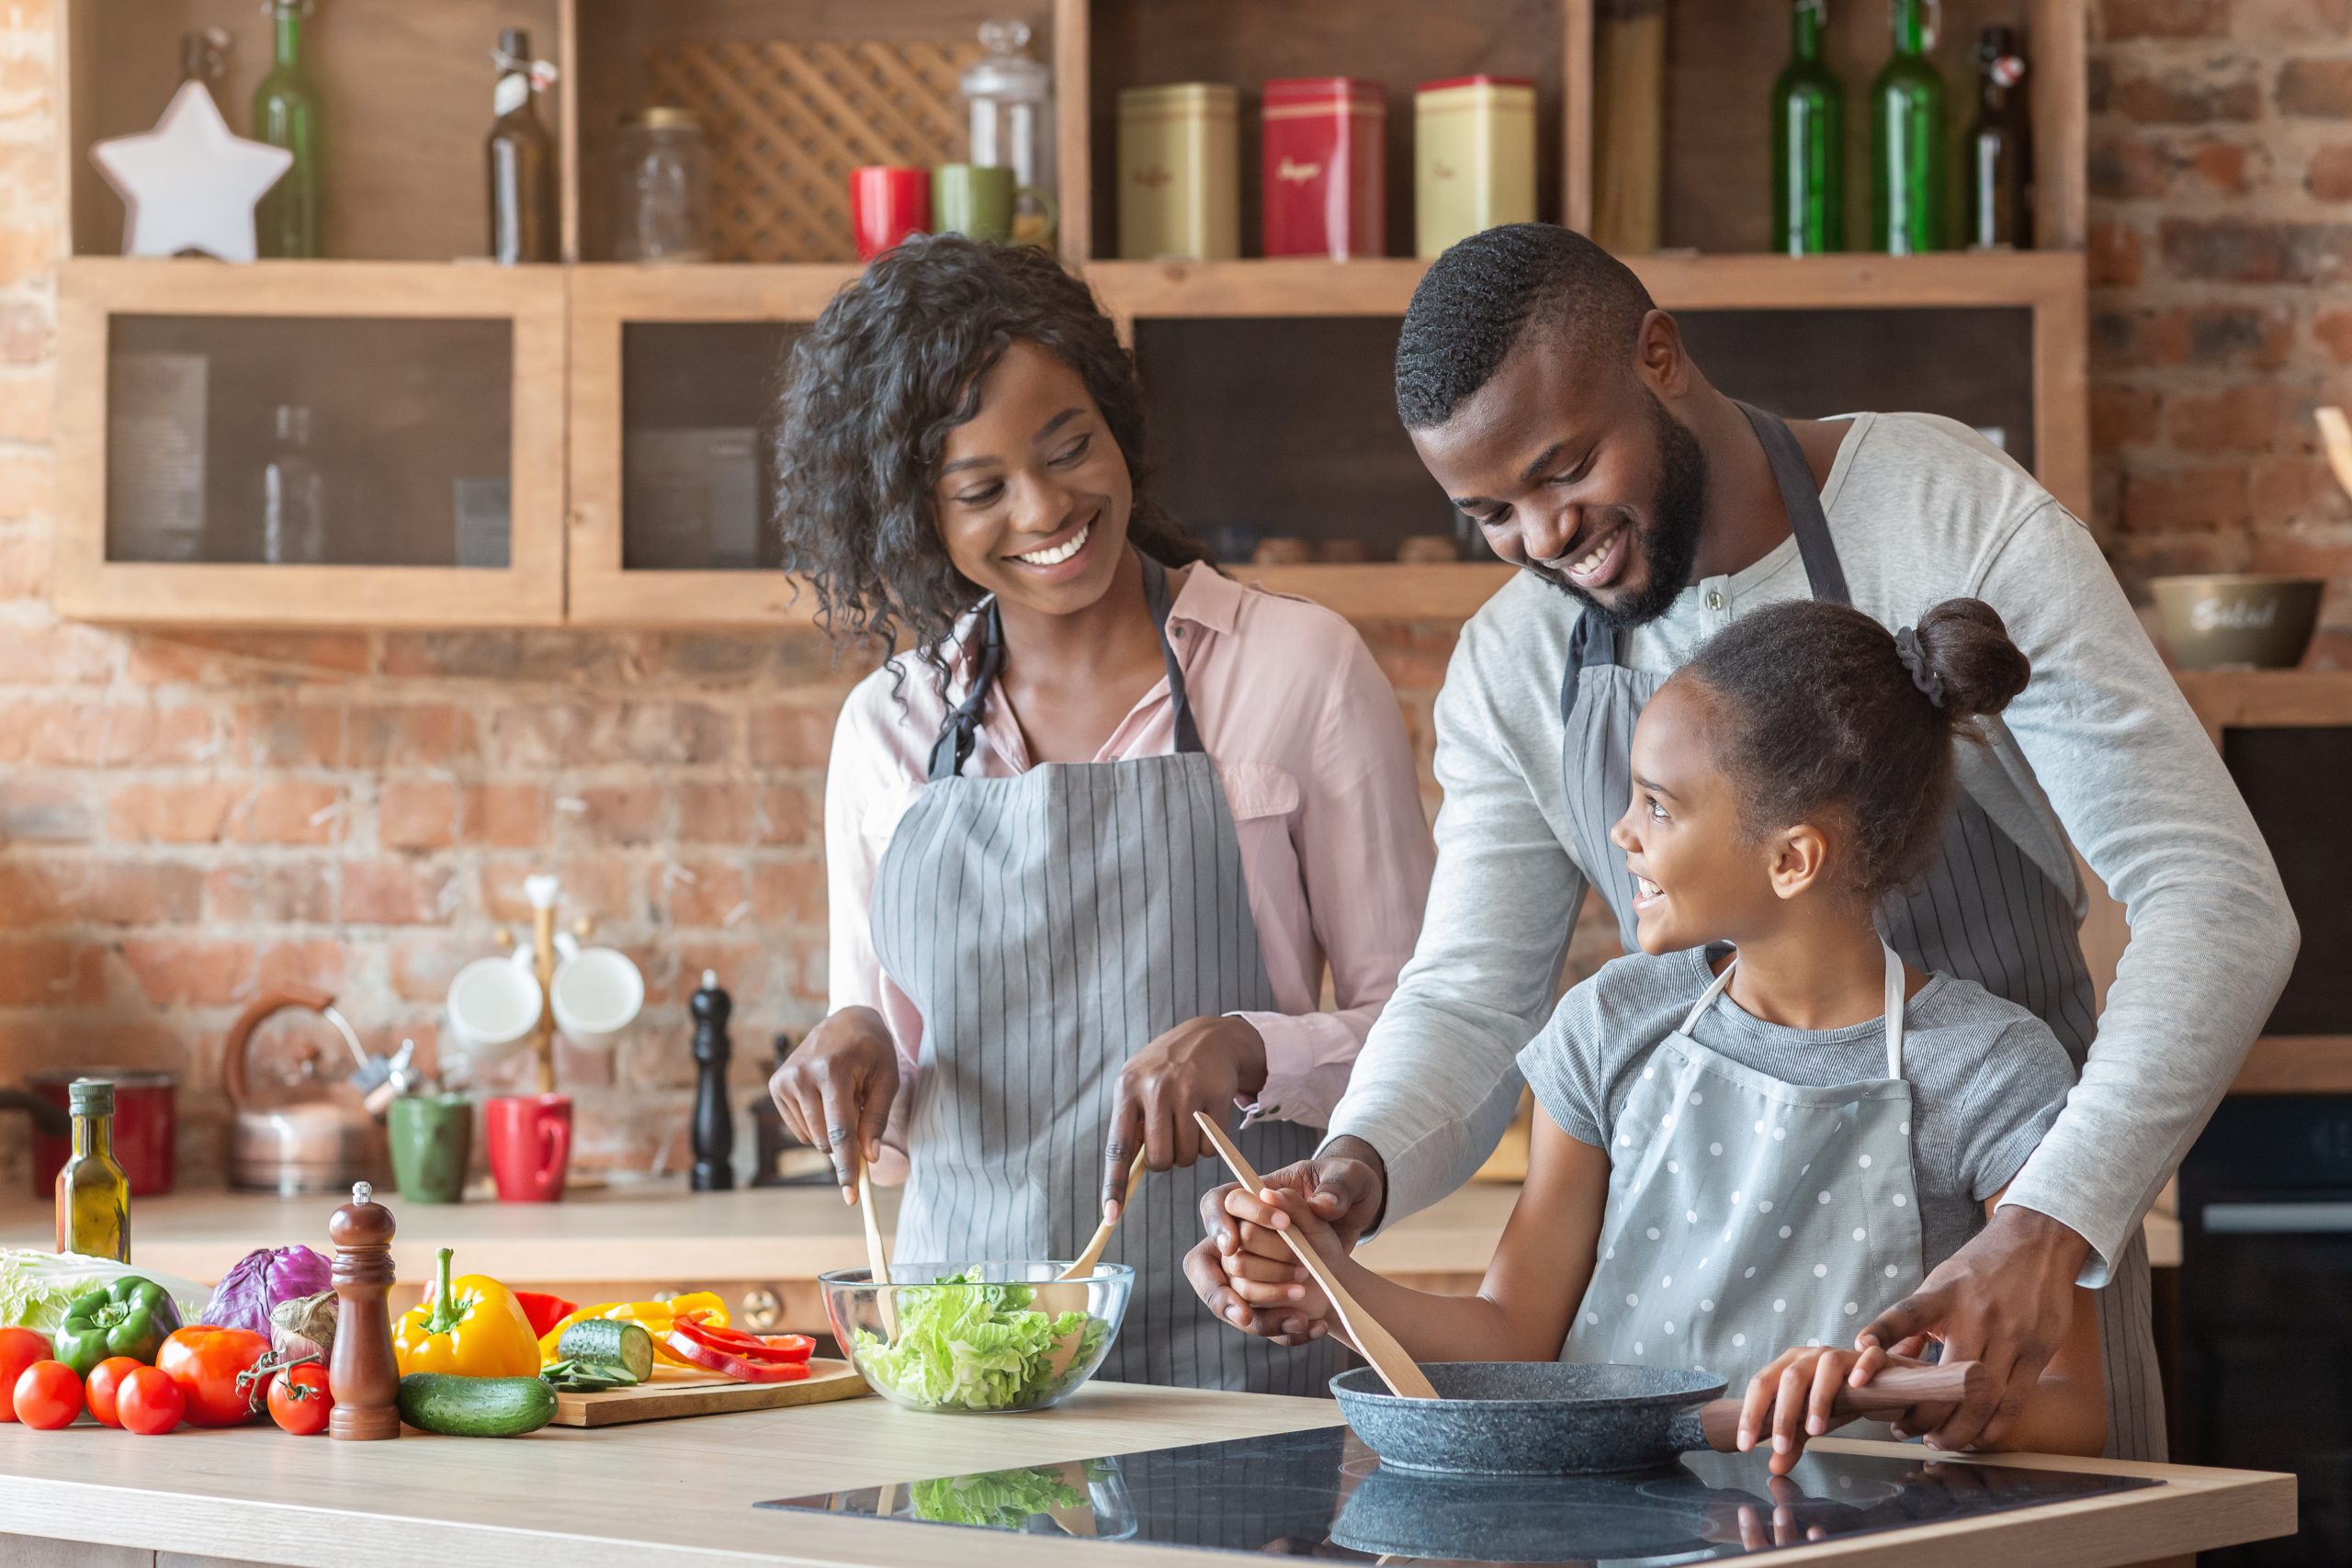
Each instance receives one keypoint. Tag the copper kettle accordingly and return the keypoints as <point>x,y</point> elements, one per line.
<point>312,1135</point>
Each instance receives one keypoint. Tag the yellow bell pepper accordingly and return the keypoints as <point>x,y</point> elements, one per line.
<point>472,1325</point>
<point>654,1317</point>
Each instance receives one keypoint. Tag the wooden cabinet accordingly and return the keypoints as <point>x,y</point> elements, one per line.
<point>639,403</point>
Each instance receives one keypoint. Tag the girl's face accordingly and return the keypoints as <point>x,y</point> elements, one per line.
<point>1033,495</point>
<point>1698,877</point>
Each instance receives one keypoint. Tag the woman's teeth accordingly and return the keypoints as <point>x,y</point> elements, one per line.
<point>1056,554</point>
<point>1645,888</point>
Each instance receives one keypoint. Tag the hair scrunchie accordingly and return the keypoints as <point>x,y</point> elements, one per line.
<point>1915,659</point>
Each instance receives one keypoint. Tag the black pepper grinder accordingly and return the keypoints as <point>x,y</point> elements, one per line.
<point>714,1127</point>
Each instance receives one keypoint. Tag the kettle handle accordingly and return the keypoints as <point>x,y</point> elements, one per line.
<point>241,1032</point>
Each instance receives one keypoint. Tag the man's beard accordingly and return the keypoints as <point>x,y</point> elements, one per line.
<point>1670,544</point>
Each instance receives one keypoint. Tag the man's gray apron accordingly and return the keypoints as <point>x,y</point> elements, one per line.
<point>1049,925</point>
<point>1986,912</point>
<point>1747,1215</point>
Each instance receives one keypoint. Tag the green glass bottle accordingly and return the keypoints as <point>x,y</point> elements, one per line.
<point>1808,143</point>
<point>93,1194</point>
<point>285,114</point>
<point>1910,209</point>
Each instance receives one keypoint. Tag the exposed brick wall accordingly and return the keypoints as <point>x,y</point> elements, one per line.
<point>184,819</point>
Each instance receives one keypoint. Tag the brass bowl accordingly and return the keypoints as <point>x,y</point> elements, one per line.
<point>2240,618</point>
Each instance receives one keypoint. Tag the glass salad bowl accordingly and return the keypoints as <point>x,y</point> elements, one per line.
<point>976,1335</point>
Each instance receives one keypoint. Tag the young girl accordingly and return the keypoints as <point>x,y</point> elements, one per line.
<point>1763,1126</point>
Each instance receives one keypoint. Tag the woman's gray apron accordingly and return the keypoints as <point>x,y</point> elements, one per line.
<point>1049,925</point>
<point>1987,912</point>
<point>1747,1215</point>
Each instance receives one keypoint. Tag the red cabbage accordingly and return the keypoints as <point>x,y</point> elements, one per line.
<point>261,1280</point>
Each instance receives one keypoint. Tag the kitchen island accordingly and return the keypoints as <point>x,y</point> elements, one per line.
<point>686,1491</point>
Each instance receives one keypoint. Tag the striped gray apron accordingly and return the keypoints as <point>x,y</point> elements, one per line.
<point>1987,912</point>
<point>1049,925</point>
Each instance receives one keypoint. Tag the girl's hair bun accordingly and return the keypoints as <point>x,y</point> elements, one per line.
<point>1966,655</point>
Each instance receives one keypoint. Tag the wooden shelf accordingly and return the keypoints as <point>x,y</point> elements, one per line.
<point>2298,1063</point>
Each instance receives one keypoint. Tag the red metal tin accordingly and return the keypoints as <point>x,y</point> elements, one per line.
<point>1325,151</point>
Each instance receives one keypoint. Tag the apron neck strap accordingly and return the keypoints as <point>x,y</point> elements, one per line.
<point>958,734</point>
<point>1802,504</point>
<point>1896,987</point>
<point>1707,998</point>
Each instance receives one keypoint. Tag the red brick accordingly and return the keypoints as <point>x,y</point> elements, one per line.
<point>2317,89</point>
<point>144,733</point>
<point>2115,257</point>
<point>52,972</point>
<point>26,333</point>
<point>793,735</point>
<point>24,566</point>
<point>317,961</point>
<point>297,891</point>
<point>177,970</point>
<point>2248,418</point>
<point>287,734</point>
<point>417,814</point>
<point>502,656</point>
<point>2333,329</point>
<point>741,962</point>
<point>27,252</point>
<point>706,893</point>
<point>2231,249</point>
<point>2330,173</point>
<point>2164,19</point>
<point>672,732</point>
<point>790,893</point>
<point>787,814</point>
<point>221,659</point>
<point>2223,165</point>
<point>56,811</point>
<point>394,893</point>
<point>2213,497</point>
<point>2123,416</point>
<point>2275,551</point>
<point>2293,20</point>
<point>408,735</point>
<point>138,893</point>
<point>195,812</point>
<point>734,812</point>
<point>507,815</point>
<point>529,736</point>
<point>2219,90</point>
<point>2293,487</point>
<point>26,408</point>
<point>616,814</point>
<point>55,655</point>
<point>281,811</point>
<point>422,966</point>
<point>2124,166</point>
<point>700,656</point>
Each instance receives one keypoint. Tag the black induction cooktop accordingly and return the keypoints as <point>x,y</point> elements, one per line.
<point>1322,1494</point>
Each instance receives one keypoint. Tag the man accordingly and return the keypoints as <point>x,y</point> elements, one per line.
<point>1558,409</point>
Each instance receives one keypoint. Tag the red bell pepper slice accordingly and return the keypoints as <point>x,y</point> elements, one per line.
<point>728,1364</point>
<point>545,1312</point>
<point>779,1348</point>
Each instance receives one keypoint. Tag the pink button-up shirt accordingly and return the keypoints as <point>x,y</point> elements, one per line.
<point>1307,736</point>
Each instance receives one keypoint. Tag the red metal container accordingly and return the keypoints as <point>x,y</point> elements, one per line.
<point>1325,147</point>
<point>145,1123</point>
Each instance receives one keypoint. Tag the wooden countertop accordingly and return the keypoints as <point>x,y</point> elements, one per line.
<point>664,1237</point>
<point>682,1493</point>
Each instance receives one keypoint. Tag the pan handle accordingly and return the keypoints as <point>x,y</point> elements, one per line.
<point>1894,1390</point>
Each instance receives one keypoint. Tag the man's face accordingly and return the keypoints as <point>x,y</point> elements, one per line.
<point>1577,473</point>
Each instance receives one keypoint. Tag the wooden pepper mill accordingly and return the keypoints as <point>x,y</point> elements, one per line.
<point>714,1128</point>
<point>362,1373</point>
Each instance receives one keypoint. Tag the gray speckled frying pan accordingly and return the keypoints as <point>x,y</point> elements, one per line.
<point>1568,1417</point>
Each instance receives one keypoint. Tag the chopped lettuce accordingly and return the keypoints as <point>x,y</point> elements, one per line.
<point>981,1349</point>
<point>37,1287</point>
<point>999,1499</point>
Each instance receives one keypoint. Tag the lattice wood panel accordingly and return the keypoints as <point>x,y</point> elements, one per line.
<point>788,121</point>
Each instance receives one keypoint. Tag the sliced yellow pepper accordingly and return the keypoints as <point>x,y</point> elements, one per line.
<point>654,1317</point>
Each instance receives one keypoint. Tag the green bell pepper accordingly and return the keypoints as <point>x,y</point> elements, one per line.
<point>130,1317</point>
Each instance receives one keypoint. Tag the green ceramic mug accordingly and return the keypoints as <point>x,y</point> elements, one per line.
<point>984,203</point>
<point>433,1141</point>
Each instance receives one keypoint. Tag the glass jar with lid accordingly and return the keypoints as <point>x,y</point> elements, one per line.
<point>1012,100</point>
<point>661,210</point>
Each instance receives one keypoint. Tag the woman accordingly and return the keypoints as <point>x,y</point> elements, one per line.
<point>1089,855</point>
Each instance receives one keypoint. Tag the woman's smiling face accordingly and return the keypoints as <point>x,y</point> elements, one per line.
<point>1698,875</point>
<point>1033,495</point>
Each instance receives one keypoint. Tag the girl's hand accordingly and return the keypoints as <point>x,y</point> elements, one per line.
<point>1791,1398</point>
<point>835,1091</point>
<point>1259,1282</point>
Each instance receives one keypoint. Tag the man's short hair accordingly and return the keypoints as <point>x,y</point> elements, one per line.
<point>1487,292</point>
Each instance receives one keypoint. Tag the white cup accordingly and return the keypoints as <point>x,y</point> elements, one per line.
<point>595,995</point>
<point>493,1004</point>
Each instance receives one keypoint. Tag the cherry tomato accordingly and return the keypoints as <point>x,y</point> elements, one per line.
<point>106,1382</point>
<point>298,1400</point>
<point>48,1395</point>
<point>19,1348</point>
<point>149,1401</point>
<point>205,1361</point>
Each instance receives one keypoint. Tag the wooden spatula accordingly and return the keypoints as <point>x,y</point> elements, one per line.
<point>1086,1260</point>
<point>1379,1347</point>
<point>877,1265</point>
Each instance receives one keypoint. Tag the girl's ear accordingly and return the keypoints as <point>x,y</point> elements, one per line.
<point>1799,857</point>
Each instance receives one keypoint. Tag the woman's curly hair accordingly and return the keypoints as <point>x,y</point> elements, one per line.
<point>892,364</point>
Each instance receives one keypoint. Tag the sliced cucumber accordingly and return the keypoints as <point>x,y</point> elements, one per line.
<point>623,1348</point>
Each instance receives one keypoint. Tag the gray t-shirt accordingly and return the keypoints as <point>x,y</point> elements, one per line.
<point>1987,1077</point>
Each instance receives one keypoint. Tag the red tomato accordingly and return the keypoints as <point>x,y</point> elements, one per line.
<point>48,1395</point>
<point>106,1382</point>
<point>149,1402</point>
<point>19,1348</point>
<point>206,1361</point>
<point>298,1400</point>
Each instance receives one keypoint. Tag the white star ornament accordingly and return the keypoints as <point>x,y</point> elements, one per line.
<point>189,183</point>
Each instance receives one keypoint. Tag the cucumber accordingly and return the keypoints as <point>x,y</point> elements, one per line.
<point>603,1342</point>
<point>475,1407</point>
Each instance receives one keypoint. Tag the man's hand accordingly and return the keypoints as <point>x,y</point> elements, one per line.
<point>2005,1300</point>
<point>1202,1064</point>
<point>835,1091</point>
<point>1346,1187</point>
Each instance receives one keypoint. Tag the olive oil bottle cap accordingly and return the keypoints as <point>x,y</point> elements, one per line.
<point>91,1097</point>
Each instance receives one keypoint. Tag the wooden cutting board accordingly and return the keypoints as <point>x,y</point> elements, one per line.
<point>691,1395</point>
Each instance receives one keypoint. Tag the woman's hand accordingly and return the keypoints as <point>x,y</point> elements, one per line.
<point>835,1091</point>
<point>1202,1064</point>
<point>1791,1398</point>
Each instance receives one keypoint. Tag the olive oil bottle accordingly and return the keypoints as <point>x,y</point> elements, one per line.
<point>93,1194</point>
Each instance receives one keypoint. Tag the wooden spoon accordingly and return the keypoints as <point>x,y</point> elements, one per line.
<point>1093,1253</point>
<point>1065,1294</point>
<point>877,1265</point>
<point>1378,1346</point>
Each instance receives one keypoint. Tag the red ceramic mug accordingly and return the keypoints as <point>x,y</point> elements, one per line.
<point>886,204</point>
<point>530,1144</point>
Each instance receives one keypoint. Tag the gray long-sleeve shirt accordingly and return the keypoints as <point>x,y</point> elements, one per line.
<point>2100,750</point>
